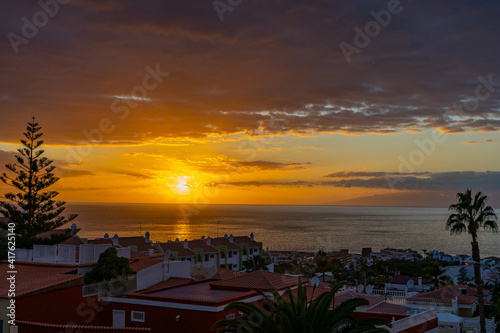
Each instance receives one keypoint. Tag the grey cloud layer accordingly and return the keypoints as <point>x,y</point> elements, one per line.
<point>266,55</point>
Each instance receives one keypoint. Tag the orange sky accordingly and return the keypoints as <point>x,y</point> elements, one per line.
<point>166,102</point>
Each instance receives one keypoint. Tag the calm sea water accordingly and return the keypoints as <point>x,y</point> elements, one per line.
<point>286,227</point>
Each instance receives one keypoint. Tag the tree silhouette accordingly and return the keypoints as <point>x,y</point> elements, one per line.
<point>255,263</point>
<point>471,213</point>
<point>109,266</point>
<point>31,209</point>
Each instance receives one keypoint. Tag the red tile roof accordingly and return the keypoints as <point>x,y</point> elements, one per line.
<point>35,277</point>
<point>224,241</point>
<point>447,294</point>
<point>139,264</point>
<point>262,280</point>
<point>100,241</point>
<point>75,240</point>
<point>246,239</point>
<point>177,247</point>
<point>199,292</point>
<point>171,282</point>
<point>138,241</point>
<point>389,308</point>
<point>198,243</point>
<point>224,273</point>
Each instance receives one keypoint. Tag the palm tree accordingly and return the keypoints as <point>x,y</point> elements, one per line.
<point>296,315</point>
<point>255,263</point>
<point>471,213</point>
<point>321,259</point>
<point>434,271</point>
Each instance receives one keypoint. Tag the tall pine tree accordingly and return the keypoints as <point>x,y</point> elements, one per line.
<point>32,209</point>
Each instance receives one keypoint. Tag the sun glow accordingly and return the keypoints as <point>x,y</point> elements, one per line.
<point>182,185</point>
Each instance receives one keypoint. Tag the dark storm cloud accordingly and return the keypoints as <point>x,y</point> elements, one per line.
<point>264,56</point>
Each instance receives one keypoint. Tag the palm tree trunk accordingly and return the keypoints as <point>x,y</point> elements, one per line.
<point>477,280</point>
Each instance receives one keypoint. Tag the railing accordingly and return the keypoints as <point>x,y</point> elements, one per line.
<point>391,293</point>
<point>113,287</point>
<point>474,323</point>
<point>406,323</point>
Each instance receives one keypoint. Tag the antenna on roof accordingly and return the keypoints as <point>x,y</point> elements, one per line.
<point>315,281</point>
<point>360,288</point>
<point>369,289</point>
<point>410,284</point>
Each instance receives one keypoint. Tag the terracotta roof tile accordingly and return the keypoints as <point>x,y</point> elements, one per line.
<point>447,294</point>
<point>198,243</point>
<point>262,280</point>
<point>139,264</point>
<point>171,282</point>
<point>224,273</point>
<point>35,277</point>
<point>177,247</point>
<point>246,239</point>
<point>138,241</point>
<point>224,241</point>
<point>100,241</point>
<point>389,308</point>
<point>75,240</point>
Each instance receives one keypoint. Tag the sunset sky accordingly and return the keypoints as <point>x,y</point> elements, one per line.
<point>256,102</point>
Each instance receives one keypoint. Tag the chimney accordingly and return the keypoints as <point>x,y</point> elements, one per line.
<point>115,240</point>
<point>147,237</point>
<point>231,238</point>
<point>202,237</point>
<point>177,240</point>
<point>185,243</point>
<point>420,281</point>
<point>73,229</point>
<point>106,236</point>
<point>225,235</point>
<point>251,236</point>
<point>209,241</point>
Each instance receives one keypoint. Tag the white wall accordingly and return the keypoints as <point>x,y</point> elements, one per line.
<point>162,271</point>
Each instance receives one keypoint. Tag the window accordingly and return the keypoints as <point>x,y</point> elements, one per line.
<point>211,256</point>
<point>230,254</point>
<point>137,316</point>
<point>235,253</point>
<point>206,257</point>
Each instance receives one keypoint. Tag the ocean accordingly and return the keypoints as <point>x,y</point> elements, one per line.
<point>305,228</point>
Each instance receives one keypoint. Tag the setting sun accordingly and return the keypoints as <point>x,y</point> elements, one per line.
<point>182,185</point>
